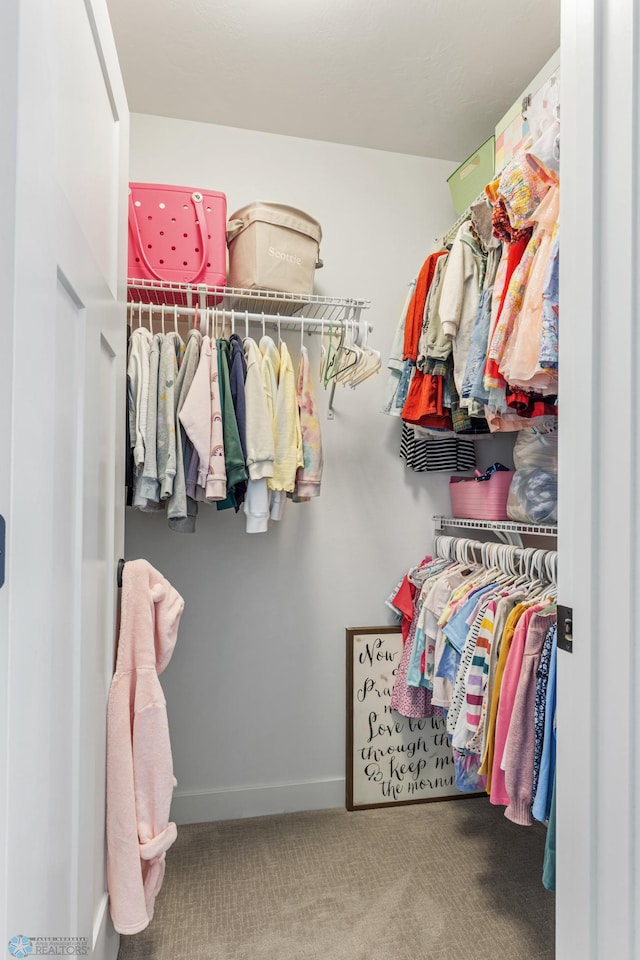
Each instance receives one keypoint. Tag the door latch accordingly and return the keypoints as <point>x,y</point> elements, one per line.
<point>565,628</point>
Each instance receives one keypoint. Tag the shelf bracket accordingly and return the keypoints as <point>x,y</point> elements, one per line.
<point>510,537</point>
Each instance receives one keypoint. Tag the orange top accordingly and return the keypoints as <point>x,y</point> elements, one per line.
<point>415,310</point>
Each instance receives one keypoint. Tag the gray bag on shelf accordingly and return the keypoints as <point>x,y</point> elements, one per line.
<point>533,495</point>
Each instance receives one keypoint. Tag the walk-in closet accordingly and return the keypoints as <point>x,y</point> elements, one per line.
<point>319,622</point>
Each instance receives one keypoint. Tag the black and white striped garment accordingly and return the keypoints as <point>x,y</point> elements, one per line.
<point>446,455</point>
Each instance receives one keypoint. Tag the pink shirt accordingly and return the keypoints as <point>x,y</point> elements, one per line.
<point>508,691</point>
<point>519,751</point>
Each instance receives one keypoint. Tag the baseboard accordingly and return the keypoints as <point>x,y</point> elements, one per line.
<point>204,806</point>
<point>106,942</point>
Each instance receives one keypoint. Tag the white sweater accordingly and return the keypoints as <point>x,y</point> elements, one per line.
<point>260,443</point>
<point>459,302</point>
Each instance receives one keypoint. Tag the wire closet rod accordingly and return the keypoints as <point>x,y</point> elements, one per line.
<point>242,318</point>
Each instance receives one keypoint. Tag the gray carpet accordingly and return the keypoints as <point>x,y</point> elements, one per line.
<point>439,881</point>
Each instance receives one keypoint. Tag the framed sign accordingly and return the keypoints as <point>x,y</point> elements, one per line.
<point>391,759</point>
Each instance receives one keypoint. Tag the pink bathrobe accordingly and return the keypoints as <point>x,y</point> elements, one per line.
<point>140,777</point>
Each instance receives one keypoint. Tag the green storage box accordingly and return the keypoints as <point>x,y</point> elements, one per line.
<point>469,180</point>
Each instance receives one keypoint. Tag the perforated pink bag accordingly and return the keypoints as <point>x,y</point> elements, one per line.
<point>177,234</point>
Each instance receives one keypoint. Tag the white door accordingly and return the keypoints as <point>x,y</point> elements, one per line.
<point>63,173</point>
<point>598,837</point>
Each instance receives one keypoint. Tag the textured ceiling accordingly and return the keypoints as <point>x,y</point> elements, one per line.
<point>426,77</point>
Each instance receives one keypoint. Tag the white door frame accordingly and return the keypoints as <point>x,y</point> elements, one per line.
<point>8,165</point>
<point>598,858</point>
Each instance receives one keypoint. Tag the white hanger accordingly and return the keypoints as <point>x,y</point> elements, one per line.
<point>438,546</point>
<point>175,317</point>
<point>246,324</point>
<point>369,364</point>
<point>349,354</point>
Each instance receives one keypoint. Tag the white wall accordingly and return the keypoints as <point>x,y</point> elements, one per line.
<point>255,691</point>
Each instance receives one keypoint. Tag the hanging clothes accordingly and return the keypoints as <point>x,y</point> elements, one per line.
<point>270,374</point>
<point>140,778</point>
<point>415,311</point>
<point>309,475</point>
<point>219,421</point>
<point>182,510</point>
<point>421,394</point>
<point>260,442</point>
<point>259,417</point>
<point>514,355</point>
<point>434,346</point>
<point>460,296</point>
<point>288,435</point>
<point>138,396</point>
<point>396,363</point>
<point>448,455</point>
<point>480,646</point>
<point>201,417</point>
<point>519,752</point>
<point>147,495</point>
<point>520,363</point>
<point>513,254</point>
<point>171,354</point>
<point>407,700</point>
<point>546,735</point>
<point>233,453</point>
<point>424,406</point>
<point>551,309</point>
<point>237,379</point>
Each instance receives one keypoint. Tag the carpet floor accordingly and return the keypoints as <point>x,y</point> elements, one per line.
<point>438,881</point>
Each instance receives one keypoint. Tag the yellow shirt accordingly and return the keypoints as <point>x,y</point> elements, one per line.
<point>287,433</point>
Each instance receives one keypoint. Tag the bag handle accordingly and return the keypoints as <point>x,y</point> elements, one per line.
<point>197,201</point>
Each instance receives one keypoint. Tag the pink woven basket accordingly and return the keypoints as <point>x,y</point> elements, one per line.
<point>483,499</point>
<point>177,234</point>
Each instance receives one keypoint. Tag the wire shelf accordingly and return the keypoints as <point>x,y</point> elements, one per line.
<point>268,302</point>
<point>500,526</point>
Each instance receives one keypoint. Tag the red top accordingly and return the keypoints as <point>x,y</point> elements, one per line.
<point>415,310</point>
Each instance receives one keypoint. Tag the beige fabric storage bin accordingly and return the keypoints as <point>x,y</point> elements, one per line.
<point>273,247</point>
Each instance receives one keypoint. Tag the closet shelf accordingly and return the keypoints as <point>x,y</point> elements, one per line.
<point>249,304</point>
<point>499,526</point>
